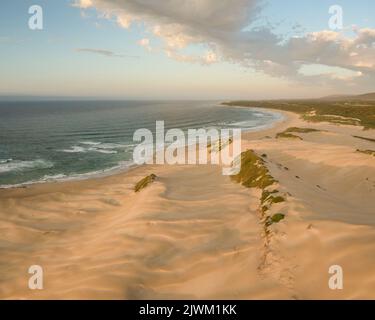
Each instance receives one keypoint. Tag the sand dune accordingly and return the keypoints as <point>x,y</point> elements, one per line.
<point>195,234</point>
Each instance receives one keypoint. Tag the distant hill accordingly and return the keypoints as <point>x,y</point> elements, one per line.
<point>366,97</point>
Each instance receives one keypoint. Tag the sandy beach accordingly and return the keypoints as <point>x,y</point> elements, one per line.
<point>196,234</point>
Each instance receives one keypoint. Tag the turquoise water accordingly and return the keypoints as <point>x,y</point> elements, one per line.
<point>61,140</point>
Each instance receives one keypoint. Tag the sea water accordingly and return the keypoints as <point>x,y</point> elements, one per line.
<point>61,140</point>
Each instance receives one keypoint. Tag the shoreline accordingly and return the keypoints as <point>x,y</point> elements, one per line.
<point>122,170</point>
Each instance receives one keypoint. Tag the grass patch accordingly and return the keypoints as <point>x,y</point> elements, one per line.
<point>301,130</point>
<point>253,173</point>
<point>268,199</point>
<point>277,199</point>
<point>144,182</point>
<point>276,218</point>
<point>332,119</point>
<point>369,152</point>
<point>287,135</point>
<point>266,194</point>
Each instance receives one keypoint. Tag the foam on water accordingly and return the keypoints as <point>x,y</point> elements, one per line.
<point>120,167</point>
<point>75,149</point>
<point>96,146</point>
<point>19,165</point>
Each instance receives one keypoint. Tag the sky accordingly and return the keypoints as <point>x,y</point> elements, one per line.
<point>187,49</point>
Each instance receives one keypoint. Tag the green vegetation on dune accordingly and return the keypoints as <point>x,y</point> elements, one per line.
<point>277,199</point>
<point>301,130</point>
<point>267,197</point>
<point>369,152</point>
<point>266,194</point>
<point>276,218</point>
<point>287,135</point>
<point>144,182</point>
<point>253,173</point>
<point>332,118</point>
<point>353,112</point>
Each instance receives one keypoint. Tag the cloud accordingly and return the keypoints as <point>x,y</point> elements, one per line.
<point>145,43</point>
<point>208,58</point>
<point>84,4</point>
<point>225,29</point>
<point>103,52</point>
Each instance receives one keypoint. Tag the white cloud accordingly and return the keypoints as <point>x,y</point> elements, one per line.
<point>124,21</point>
<point>84,4</point>
<point>223,28</point>
<point>102,52</point>
<point>145,43</point>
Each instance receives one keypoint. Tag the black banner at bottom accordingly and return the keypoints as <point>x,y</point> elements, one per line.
<point>210,309</point>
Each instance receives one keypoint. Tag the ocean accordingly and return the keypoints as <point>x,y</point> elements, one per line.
<point>42,141</point>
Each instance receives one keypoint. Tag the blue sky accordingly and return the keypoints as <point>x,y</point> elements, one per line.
<point>64,58</point>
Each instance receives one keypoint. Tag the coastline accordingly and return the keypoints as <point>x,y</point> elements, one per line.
<point>192,238</point>
<point>121,169</point>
